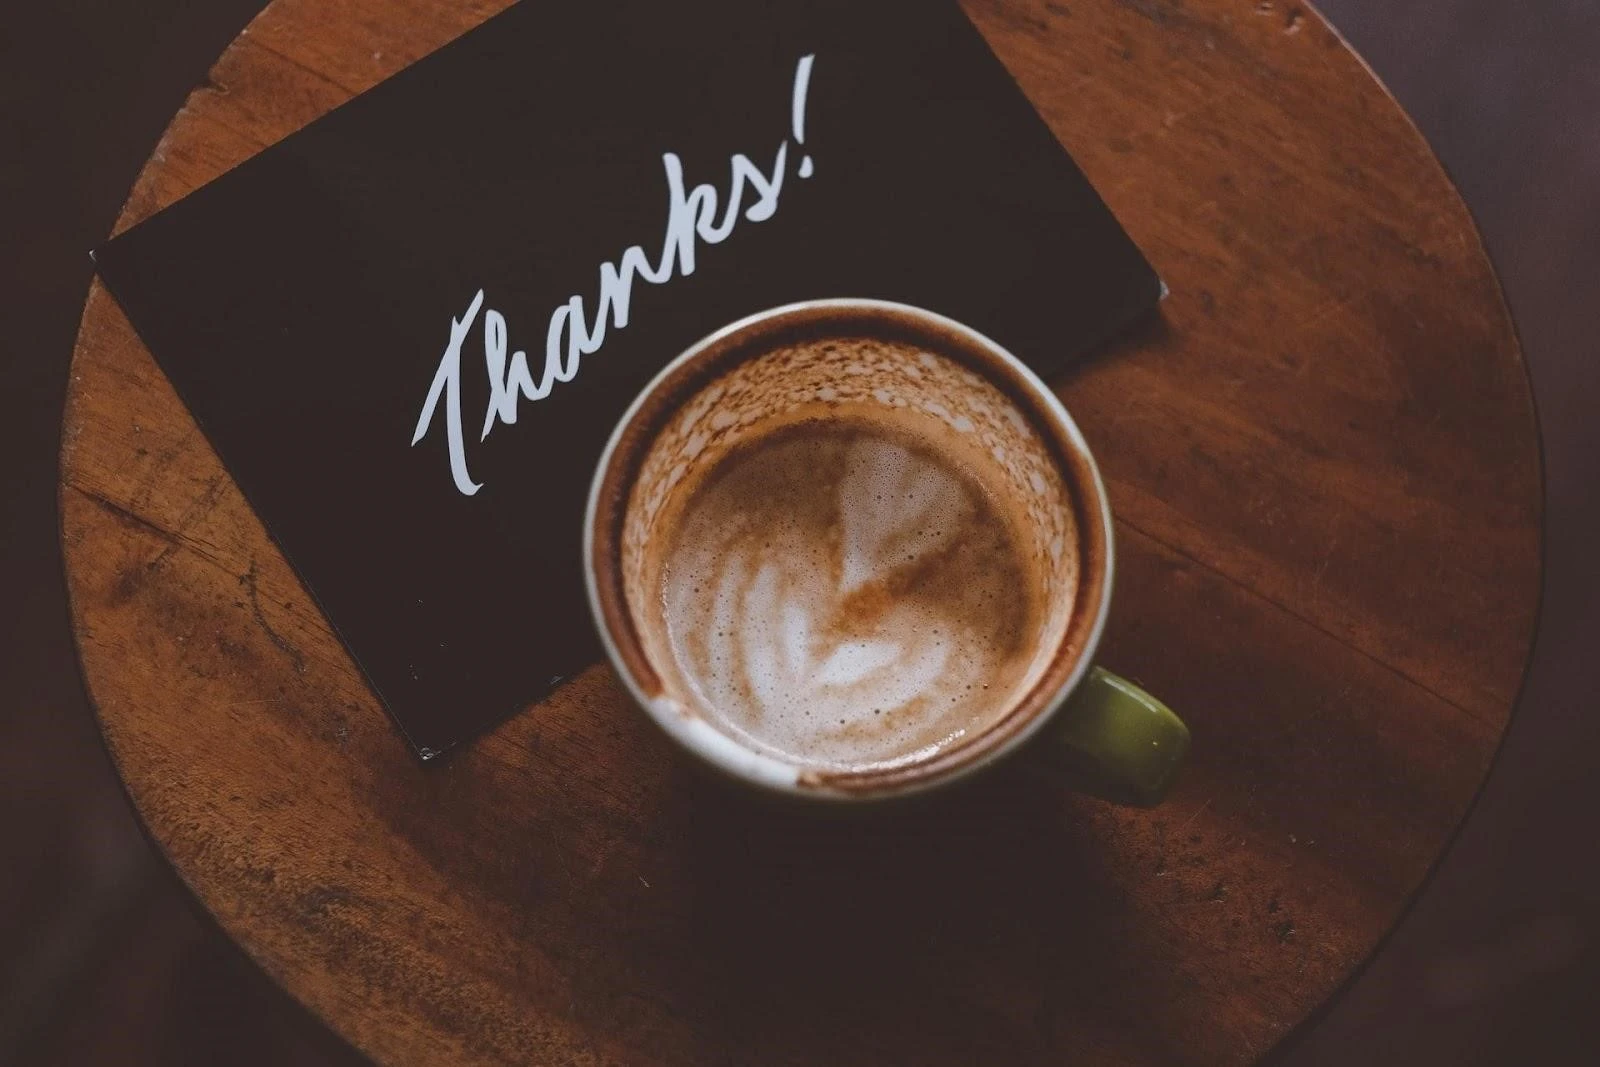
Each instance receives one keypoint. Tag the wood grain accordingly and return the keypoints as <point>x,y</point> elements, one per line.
<point>1325,467</point>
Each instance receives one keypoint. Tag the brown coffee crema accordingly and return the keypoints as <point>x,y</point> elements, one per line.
<point>850,554</point>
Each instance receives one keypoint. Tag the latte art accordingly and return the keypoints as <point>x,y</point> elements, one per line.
<point>843,595</point>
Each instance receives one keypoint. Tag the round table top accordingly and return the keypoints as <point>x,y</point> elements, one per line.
<point>1325,468</point>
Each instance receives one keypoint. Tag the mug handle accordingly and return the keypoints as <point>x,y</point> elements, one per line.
<point>1113,740</point>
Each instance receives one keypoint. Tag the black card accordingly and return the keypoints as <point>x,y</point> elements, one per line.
<point>561,201</point>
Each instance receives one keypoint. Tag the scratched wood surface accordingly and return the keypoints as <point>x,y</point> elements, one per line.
<point>1325,467</point>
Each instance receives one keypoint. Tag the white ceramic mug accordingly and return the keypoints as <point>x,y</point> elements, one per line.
<point>1110,737</point>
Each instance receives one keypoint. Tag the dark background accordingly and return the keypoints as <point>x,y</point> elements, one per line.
<point>104,960</point>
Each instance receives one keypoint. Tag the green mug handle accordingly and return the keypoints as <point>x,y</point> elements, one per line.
<point>1115,741</point>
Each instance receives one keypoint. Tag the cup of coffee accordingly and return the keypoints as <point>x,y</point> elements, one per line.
<point>850,550</point>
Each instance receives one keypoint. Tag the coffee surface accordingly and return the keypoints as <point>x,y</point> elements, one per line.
<point>841,593</point>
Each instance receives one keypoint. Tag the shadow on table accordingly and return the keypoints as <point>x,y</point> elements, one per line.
<point>964,927</point>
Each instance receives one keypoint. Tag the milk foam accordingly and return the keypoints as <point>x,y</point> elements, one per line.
<point>837,596</point>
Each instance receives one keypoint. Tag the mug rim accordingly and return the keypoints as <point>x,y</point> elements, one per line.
<point>1029,712</point>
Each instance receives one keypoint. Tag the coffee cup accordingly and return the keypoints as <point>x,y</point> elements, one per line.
<point>848,550</point>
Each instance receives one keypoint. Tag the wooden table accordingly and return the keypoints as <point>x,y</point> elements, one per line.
<point>1325,466</point>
